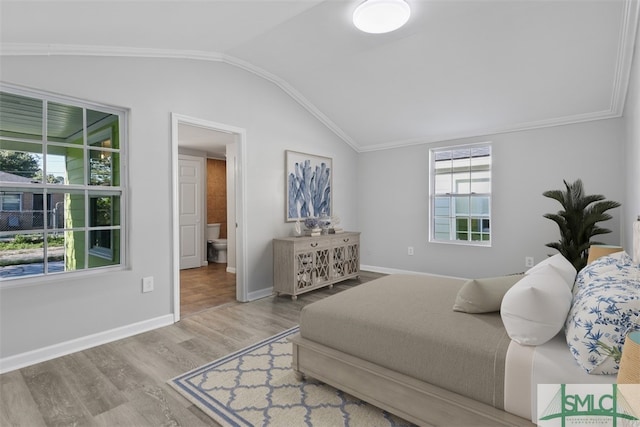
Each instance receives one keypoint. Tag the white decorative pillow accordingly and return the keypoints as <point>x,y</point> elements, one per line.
<point>484,295</point>
<point>534,310</point>
<point>564,267</point>
<point>606,305</point>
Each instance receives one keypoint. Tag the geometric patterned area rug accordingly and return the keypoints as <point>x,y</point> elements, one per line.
<point>257,387</point>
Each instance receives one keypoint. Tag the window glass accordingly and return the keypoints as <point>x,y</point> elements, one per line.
<point>481,173</point>
<point>66,210</point>
<point>20,161</point>
<point>21,116</point>
<point>102,164</point>
<point>74,250</point>
<point>103,246</point>
<point>103,129</point>
<point>462,228</point>
<point>442,206</point>
<point>462,205</point>
<point>55,252</point>
<point>104,210</point>
<point>461,194</point>
<point>10,201</point>
<point>479,205</point>
<point>442,228</point>
<point>65,186</point>
<point>22,255</point>
<point>65,123</point>
<point>67,163</point>
<point>443,183</point>
<point>56,165</point>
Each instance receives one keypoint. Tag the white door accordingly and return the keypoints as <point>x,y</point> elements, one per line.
<point>190,211</point>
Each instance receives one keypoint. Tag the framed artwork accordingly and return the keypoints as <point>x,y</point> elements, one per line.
<point>308,181</point>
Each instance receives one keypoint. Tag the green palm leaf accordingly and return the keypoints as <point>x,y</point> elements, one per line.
<point>577,221</point>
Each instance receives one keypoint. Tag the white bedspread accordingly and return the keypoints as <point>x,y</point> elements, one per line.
<point>550,363</point>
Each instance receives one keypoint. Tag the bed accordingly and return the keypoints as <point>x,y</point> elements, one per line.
<point>377,319</point>
<point>396,343</point>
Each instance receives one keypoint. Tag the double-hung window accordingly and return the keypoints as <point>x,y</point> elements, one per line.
<point>61,166</point>
<point>460,194</point>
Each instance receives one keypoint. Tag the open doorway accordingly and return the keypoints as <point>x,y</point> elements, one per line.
<point>204,277</point>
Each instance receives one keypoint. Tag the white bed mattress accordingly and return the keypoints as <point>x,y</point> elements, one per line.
<point>550,363</point>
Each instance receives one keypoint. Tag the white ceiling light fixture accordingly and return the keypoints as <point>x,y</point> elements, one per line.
<point>381,16</point>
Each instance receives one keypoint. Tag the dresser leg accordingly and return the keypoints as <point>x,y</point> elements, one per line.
<point>294,297</point>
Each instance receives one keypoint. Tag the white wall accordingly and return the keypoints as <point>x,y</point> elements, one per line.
<point>394,195</point>
<point>383,194</point>
<point>631,208</point>
<point>58,311</point>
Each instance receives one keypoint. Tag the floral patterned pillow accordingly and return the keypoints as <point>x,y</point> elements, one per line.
<point>605,306</point>
<point>615,261</point>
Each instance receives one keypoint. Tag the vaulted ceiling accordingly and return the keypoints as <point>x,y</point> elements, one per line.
<point>458,68</point>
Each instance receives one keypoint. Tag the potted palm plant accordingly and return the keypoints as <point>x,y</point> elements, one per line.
<point>578,221</point>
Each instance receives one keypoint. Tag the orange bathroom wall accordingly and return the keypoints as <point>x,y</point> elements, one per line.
<point>217,194</point>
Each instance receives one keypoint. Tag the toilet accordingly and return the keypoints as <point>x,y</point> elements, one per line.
<point>216,248</point>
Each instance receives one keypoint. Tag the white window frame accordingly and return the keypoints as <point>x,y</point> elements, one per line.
<point>120,190</point>
<point>454,194</point>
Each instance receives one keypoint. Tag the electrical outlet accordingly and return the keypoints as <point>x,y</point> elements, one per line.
<point>147,284</point>
<point>528,261</point>
<point>410,250</point>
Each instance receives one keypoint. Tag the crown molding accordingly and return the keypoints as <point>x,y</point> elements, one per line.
<point>620,84</point>
<point>35,49</point>
<point>624,62</point>
<point>477,133</point>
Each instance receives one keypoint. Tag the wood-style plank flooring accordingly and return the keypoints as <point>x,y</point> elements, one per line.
<point>124,383</point>
<point>205,287</point>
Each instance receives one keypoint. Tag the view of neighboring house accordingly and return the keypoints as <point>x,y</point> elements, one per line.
<point>20,210</point>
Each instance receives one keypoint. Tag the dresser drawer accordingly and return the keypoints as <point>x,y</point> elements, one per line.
<point>349,239</point>
<point>311,245</point>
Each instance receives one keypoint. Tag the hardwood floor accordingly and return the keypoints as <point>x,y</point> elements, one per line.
<point>206,287</point>
<point>124,383</point>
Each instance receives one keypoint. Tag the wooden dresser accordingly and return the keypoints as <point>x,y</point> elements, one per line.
<point>302,264</point>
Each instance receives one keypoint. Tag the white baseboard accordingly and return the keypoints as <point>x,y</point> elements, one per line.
<point>32,357</point>
<point>262,293</point>
<point>385,270</point>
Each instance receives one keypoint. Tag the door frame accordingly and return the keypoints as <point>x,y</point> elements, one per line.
<point>240,193</point>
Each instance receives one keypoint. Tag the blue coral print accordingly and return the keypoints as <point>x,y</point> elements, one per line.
<point>309,190</point>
